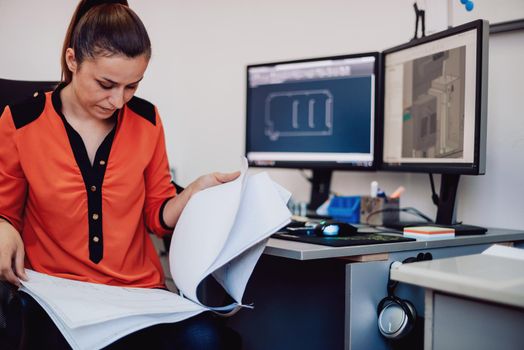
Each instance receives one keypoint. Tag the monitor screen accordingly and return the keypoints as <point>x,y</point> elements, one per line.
<point>435,102</point>
<point>315,113</point>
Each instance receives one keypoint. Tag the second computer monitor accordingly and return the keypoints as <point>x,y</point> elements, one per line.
<point>435,95</point>
<point>435,108</point>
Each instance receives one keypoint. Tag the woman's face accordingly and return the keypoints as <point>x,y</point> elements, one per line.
<point>104,84</point>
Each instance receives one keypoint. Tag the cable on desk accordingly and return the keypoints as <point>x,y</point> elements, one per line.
<point>409,210</point>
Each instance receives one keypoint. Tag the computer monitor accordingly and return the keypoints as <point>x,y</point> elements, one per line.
<point>434,109</point>
<point>317,114</point>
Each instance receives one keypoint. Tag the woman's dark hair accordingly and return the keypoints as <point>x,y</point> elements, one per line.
<point>104,28</point>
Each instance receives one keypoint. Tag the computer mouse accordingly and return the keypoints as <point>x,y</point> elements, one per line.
<point>330,228</point>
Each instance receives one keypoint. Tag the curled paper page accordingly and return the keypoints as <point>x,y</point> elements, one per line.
<point>221,225</point>
<point>262,212</point>
<point>201,232</point>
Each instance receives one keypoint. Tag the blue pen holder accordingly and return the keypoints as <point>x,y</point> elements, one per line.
<point>345,208</point>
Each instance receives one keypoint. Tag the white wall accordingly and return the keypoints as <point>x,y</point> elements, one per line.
<point>197,79</point>
<point>493,11</point>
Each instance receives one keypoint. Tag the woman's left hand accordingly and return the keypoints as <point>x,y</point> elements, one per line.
<point>175,205</point>
<point>210,180</point>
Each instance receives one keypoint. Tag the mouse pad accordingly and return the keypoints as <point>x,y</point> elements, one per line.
<point>358,239</point>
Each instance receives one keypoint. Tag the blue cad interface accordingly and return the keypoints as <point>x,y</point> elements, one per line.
<point>332,115</point>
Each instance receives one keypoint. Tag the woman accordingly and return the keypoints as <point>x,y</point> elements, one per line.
<point>84,174</point>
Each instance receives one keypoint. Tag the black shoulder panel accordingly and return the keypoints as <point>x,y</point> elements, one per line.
<point>28,110</point>
<point>143,108</point>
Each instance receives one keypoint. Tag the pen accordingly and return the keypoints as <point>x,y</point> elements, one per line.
<point>397,192</point>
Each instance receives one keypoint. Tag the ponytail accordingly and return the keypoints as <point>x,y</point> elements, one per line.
<point>104,28</point>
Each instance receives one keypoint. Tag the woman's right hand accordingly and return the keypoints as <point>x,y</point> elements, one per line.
<point>11,254</point>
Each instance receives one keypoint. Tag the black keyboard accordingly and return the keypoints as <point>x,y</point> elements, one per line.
<point>343,241</point>
<point>460,229</point>
<point>465,230</point>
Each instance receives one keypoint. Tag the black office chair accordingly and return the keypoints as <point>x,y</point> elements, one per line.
<point>15,320</point>
<point>12,91</point>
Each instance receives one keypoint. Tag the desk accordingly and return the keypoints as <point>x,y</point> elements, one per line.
<point>472,302</point>
<point>314,297</point>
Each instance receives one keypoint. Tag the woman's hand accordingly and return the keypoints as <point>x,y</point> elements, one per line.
<point>210,180</point>
<point>174,207</point>
<point>11,254</point>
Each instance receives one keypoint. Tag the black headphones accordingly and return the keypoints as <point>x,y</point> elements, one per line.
<point>396,316</point>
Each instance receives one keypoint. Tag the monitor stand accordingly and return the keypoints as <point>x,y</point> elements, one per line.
<point>446,214</point>
<point>320,185</point>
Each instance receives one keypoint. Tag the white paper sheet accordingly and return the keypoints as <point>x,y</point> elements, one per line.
<point>91,316</point>
<point>260,212</point>
<point>81,303</point>
<point>235,274</point>
<point>203,228</point>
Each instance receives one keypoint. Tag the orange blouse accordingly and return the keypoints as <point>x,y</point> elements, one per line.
<point>77,220</point>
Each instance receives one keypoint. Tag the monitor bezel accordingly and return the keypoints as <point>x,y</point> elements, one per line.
<point>330,165</point>
<point>478,167</point>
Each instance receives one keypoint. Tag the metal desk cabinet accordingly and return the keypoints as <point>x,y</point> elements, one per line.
<point>314,297</point>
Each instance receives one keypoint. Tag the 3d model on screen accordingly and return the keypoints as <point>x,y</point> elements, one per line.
<point>433,113</point>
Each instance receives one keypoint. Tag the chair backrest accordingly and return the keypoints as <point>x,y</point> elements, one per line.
<point>12,91</point>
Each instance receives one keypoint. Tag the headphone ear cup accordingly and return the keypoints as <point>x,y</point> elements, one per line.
<point>396,317</point>
<point>382,304</point>
<point>411,314</point>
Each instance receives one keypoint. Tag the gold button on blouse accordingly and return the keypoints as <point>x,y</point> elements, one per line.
<point>93,188</point>
<point>102,162</point>
<point>96,239</point>
<point>95,216</point>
